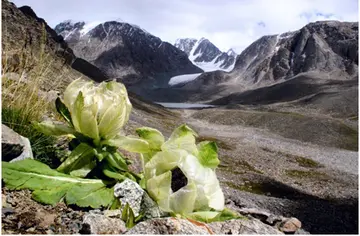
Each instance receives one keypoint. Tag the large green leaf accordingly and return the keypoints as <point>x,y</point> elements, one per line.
<point>208,155</point>
<point>82,156</point>
<point>212,216</point>
<point>51,186</point>
<point>63,110</point>
<point>131,144</point>
<point>49,128</point>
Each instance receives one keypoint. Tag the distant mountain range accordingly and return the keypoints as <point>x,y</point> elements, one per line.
<point>315,65</point>
<point>319,58</point>
<point>127,52</point>
<point>206,55</point>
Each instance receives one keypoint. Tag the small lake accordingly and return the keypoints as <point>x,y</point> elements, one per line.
<point>184,105</point>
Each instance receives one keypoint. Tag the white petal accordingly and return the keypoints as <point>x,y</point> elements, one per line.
<point>183,200</point>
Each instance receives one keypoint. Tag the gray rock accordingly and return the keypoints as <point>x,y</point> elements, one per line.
<point>27,152</point>
<point>100,224</point>
<point>262,215</point>
<point>130,192</point>
<point>242,226</point>
<point>168,226</point>
<point>301,231</point>
<point>290,225</point>
<point>112,213</point>
<point>14,147</point>
<point>150,208</point>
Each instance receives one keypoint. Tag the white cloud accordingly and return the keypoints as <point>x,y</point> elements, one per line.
<point>230,23</point>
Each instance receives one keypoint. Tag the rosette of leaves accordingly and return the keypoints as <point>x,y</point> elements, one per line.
<point>95,116</point>
<point>180,175</point>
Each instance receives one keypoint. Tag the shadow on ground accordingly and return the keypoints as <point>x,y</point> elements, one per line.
<point>318,216</point>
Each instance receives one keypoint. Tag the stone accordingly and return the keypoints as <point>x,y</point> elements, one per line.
<point>262,215</point>
<point>290,225</point>
<point>113,213</point>
<point>11,144</point>
<point>14,147</point>
<point>7,210</point>
<point>130,192</point>
<point>242,226</point>
<point>150,208</point>
<point>27,152</point>
<point>168,225</point>
<point>101,224</point>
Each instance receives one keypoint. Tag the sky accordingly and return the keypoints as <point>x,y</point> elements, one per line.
<point>226,23</point>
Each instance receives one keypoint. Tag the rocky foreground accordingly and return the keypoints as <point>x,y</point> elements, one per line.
<point>280,184</point>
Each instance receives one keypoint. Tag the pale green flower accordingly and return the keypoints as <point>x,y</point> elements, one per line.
<point>95,115</point>
<point>98,112</point>
<point>197,162</point>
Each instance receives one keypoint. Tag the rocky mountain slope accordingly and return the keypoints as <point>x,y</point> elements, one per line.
<point>315,61</point>
<point>206,55</point>
<point>25,36</point>
<point>126,52</point>
<point>328,47</point>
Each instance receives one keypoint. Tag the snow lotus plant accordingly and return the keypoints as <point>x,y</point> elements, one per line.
<point>95,116</point>
<point>180,175</point>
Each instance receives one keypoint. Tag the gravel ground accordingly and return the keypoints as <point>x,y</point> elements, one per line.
<point>340,159</point>
<point>21,215</point>
<point>323,194</point>
<point>321,189</point>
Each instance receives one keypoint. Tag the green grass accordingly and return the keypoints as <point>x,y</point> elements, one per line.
<point>238,167</point>
<point>354,118</point>
<point>306,174</point>
<point>306,162</point>
<point>303,161</point>
<point>23,103</point>
<point>43,147</point>
<point>256,188</point>
<point>350,142</point>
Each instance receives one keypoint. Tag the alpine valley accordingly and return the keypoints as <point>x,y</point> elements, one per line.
<point>283,112</point>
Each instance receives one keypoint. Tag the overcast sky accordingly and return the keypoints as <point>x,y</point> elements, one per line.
<point>226,23</point>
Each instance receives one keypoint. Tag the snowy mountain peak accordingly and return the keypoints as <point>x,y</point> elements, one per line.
<point>185,44</point>
<point>206,55</point>
<point>231,52</point>
<point>72,31</point>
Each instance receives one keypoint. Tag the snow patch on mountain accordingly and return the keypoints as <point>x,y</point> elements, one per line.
<point>213,65</point>
<point>89,26</point>
<point>179,79</point>
<point>206,55</point>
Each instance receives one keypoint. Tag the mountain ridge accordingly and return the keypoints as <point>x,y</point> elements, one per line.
<point>206,55</point>
<point>127,52</point>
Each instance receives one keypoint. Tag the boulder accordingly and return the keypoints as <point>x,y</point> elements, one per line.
<point>130,192</point>
<point>168,225</point>
<point>242,226</point>
<point>94,223</point>
<point>290,225</point>
<point>14,147</point>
